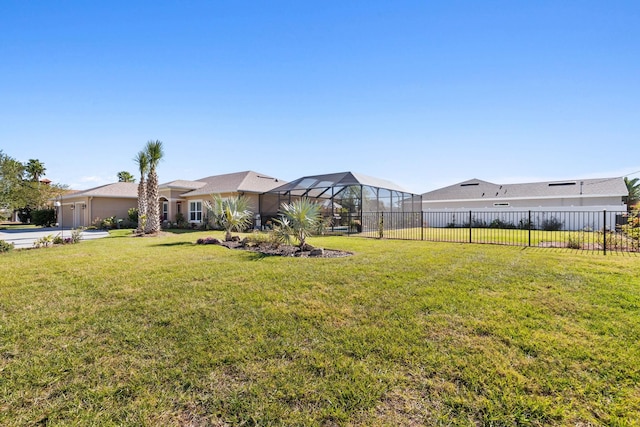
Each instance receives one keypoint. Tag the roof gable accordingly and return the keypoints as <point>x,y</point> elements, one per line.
<point>238,182</point>
<point>116,189</point>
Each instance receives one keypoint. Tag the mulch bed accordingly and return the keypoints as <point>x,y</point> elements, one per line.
<point>280,250</point>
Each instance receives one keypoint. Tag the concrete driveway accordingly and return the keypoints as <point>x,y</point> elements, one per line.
<point>26,237</point>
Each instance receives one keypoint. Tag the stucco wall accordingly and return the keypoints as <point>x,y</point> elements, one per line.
<point>614,203</point>
<point>105,207</point>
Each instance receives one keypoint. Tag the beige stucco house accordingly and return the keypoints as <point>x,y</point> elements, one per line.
<point>82,208</point>
<point>249,184</point>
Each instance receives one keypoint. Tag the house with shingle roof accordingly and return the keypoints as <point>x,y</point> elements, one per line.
<point>580,194</point>
<point>188,197</point>
<point>184,197</point>
<point>533,203</point>
<point>81,208</point>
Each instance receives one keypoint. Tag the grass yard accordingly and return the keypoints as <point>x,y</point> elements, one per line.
<point>574,239</point>
<point>159,331</point>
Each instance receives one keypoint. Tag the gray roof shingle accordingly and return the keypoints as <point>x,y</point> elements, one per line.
<point>245,182</point>
<point>475,189</point>
<point>116,189</point>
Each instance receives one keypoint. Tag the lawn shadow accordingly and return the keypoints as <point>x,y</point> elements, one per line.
<point>181,230</point>
<point>167,245</point>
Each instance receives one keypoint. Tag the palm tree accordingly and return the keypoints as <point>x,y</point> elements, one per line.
<point>143,165</point>
<point>124,176</point>
<point>154,152</point>
<point>299,219</point>
<point>34,169</point>
<point>633,186</point>
<point>231,213</point>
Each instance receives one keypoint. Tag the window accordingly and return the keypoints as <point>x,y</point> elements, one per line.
<point>165,211</point>
<point>195,211</point>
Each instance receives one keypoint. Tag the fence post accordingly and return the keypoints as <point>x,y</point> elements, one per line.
<point>604,231</point>
<point>421,225</point>
<point>470,227</point>
<point>529,227</point>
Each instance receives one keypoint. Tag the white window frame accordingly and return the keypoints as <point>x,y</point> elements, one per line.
<point>193,211</point>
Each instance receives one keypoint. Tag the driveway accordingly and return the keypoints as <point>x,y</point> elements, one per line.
<point>26,237</point>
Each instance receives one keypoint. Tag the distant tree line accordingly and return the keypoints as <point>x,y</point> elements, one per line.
<point>22,189</point>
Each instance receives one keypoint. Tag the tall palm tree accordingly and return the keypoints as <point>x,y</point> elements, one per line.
<point>143,165</point>
<point>154,152</point>
<point>124,176</point>
<point>633,186</point>
<point>231,213</point>
<point>34,169</point>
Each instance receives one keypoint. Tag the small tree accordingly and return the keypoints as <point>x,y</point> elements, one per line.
<point>34,169</point>
<point>299,219</point>
<point>124,176</point>
<point>230,213</point>
<point>633,187</point>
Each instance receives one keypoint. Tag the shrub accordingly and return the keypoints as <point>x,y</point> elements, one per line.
<point>615,241</point>
<point>551,224</point>
<point>106,224</point>
<point>24,215</point>
<point>44,241</point>
<point>132,214</point>
<point>230,213</point>
<point>574,241</point>
<point>525,224</point>
<point>181,221</point>
<point>257,238</point>
<point>43,217</point>
<point>298,221</point>
<point>498,223</point>
<point>632,227</point>
<point>323,225</point>
<point>127,223</point>
<point>76,234</point>
<point>476,223</point>
<point>5,246</point>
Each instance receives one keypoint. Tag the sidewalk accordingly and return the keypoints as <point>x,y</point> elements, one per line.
<point>25,238</point>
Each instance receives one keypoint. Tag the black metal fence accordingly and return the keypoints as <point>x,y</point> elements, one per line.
<point>605,231</point>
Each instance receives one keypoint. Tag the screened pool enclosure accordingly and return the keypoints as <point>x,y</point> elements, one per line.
<point>348,199</point>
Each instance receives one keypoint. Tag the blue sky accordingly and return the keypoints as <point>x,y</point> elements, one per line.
<point>424,93</point>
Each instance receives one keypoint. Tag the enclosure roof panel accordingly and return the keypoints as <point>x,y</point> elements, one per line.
<point>340,179</point>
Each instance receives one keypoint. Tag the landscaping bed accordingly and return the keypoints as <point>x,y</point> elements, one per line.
<point>271,249</point>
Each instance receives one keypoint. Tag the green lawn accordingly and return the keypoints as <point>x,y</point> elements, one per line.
<point>160,331</point>
<point>586,240</point>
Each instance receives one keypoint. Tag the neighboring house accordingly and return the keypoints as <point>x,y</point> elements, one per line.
<point>552,196</point>
<point>82,208</point>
